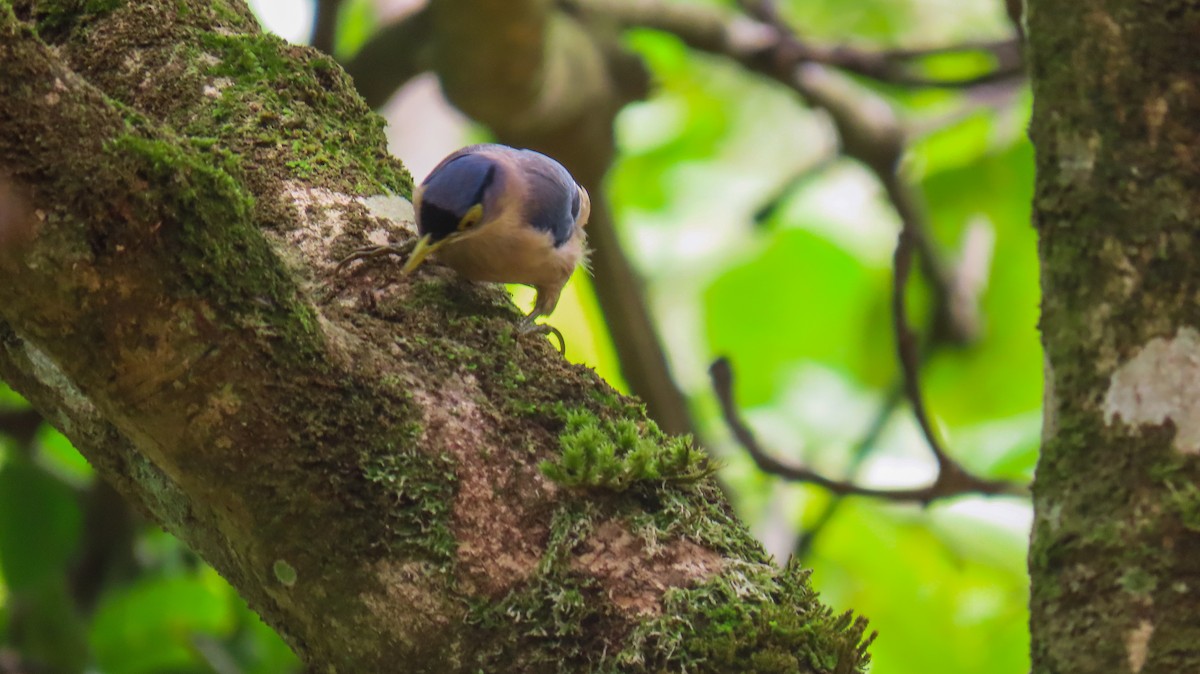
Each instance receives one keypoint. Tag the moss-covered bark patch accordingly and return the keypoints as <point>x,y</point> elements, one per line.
<point>617,455</point>
<point>753,619</point>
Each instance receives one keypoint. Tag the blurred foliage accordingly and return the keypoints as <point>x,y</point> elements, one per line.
<point>798,300</point>
<point>158,610</point>
<point>800,303</point>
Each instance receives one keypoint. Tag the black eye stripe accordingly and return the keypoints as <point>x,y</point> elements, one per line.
<point>575,204</point>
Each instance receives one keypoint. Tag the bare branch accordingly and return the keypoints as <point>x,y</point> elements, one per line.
<point>325,25</point>
<point>395,54</point>
<point>871,133</point>
<point>906,339</point>
<point>952,479</point>
<point>762,33</point>
<point>866,124</point>
<point>895,66</point>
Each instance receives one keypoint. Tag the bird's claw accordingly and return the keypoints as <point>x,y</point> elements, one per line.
<point>405,249</point>
<point>368,252</point>
<point>528,327</point>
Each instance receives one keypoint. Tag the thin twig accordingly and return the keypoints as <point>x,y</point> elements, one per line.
<point>952,479</point>
<point>906,342</point>
<point>798,179</point>
<point>869,133</point>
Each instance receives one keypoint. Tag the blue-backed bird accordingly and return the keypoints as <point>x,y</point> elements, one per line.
<point>501,214</point>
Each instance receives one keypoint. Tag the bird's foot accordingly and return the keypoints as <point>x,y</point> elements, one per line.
<point>368,252</point>
<point>528,327</point>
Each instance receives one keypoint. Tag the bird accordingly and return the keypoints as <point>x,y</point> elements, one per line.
<point>501,214</point>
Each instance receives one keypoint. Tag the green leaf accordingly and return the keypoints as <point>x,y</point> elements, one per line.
<point>257,647</point>
<point>61,458</point>
<point>973,615</point>
<point>1003,370</point>
<point>356,21</point>
<point>11,399</point>
<point>40,523</point>
<point>148,627</point>
<point>802,298</point>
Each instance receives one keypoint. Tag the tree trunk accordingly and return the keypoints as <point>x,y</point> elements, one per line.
<point>1115,558</point>
<point>367,459</point>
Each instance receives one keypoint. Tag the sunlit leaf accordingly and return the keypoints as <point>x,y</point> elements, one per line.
<point>356,22</point>
<point>61,457</point>
<point>10,399</point>
<point>888,564</point>
<point>148,627</point>
<point>800,298</point>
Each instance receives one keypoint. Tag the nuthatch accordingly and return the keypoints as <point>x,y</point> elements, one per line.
<point>496,213</point>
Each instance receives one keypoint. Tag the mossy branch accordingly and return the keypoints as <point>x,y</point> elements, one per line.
<point>361,456</point>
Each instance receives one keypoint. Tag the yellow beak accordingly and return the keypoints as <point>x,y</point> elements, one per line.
<point>423,250</point>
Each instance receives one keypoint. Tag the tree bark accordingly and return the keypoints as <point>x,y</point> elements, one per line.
<point>364,457</point>
<point>1115,557</point>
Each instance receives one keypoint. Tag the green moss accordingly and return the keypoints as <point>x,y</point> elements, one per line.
<point>417,490</point>
<point>547,626</point>
<point>556,622</point>
<point>750,620</point>
<point>56,17</point>
<point>699,513</point>
<point>224,11</point>
<point>1184,499</point>
<point>212,236</point>
<point>618,455</point>
<point>294,107</point>
<point>1138,581</point>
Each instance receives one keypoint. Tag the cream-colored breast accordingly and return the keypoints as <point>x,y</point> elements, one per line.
<point>507,251</point>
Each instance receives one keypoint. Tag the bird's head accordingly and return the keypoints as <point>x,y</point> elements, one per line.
<point>452,202</point>
<point>468,192</point>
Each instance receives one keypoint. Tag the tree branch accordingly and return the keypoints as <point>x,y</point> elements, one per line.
<point>870,133</point>
<point>395,54</point>
<point>325,23</point>
<point>892,66</point>
<point>867,126</point>
<point>358,455</point>
<point>952,479</point>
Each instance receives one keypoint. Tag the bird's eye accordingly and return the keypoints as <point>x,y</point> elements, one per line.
<point>472,218</point>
